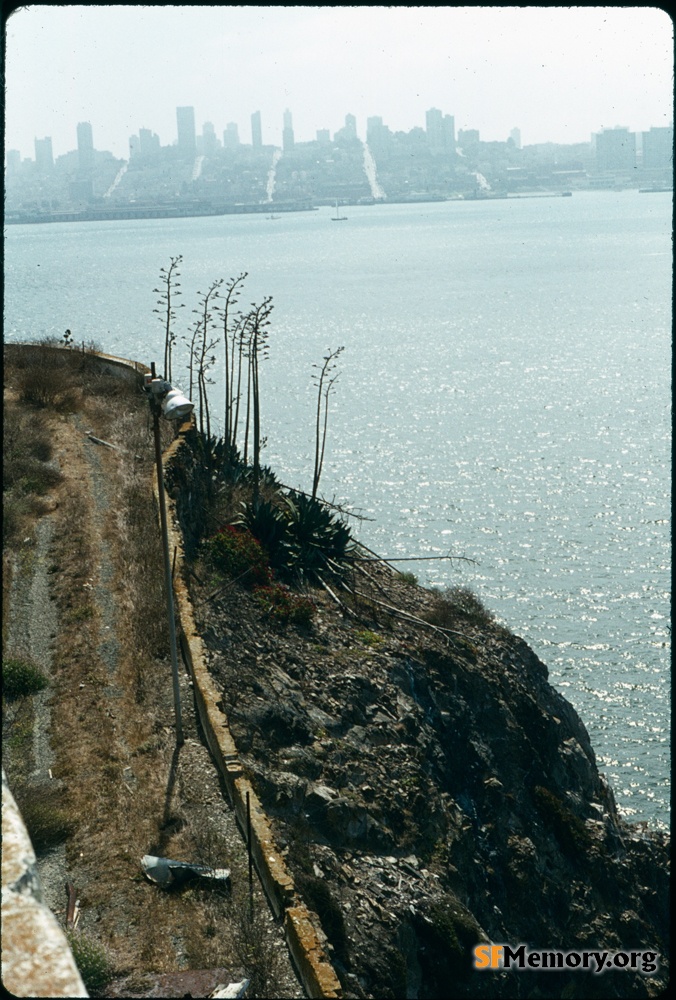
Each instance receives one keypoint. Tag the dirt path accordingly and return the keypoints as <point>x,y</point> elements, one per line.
<point>103,731</point>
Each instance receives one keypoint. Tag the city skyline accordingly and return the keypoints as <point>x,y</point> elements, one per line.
<point>557,74</point>
<point>229,137</point>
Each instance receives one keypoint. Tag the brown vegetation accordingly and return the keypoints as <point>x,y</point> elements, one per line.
<point>117,788</point>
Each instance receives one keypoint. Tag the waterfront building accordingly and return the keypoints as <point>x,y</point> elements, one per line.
<point>615,150</point>
<point>85,147</point>
<point>658,148</point>
<point>323,136</point>
<point>44,157</point>
<point>256,130</point>
<point>185,122</point>
<point>287,132</point>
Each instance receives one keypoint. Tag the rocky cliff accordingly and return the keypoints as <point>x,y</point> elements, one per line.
<point>431,790</point>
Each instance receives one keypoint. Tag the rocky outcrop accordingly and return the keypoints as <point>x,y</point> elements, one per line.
<point>36,958</point>
<point>431,791</point>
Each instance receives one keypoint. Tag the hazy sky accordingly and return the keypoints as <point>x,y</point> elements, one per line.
<point>557,73</point>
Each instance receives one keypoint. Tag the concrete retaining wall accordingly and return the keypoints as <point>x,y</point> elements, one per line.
<point>302,928</point>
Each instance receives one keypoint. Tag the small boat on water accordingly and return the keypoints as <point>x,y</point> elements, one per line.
<point>338,217</point>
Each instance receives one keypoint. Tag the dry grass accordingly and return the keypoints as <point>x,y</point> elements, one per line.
<point>123,790</point>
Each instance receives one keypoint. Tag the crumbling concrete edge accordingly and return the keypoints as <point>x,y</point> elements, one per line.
<point>36,957</point>
<point>302,929</point>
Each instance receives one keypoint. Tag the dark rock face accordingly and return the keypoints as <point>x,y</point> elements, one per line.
<point>432,792</point>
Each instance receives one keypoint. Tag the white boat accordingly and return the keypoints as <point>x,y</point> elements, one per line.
<point>338,217</point>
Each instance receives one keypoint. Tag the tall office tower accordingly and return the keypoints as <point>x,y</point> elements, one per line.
<point>323,136</point>
<point>134,147</point>
<point>658,148</point>
<point>615,149</point>
<point>231,136</point>
<point>350,129</point>
<point>287,132</point>
<point>515,136</point>
<point>149,144</point>
<point>378,137</point>
<point>13,161</point>
<point>256,130</point>
<point>440,130</point>
<point>85,147</point>
<point>44,158</point>
<point>185,123</point>
<point>209,139</point>
<point>434,122</point>
<point>449,135</point>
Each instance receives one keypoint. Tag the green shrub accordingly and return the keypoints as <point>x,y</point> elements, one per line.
<point>92,959</point>
<point>21,677</point>
<point>236,553</point>
<point>285,606</point>
<point>410,579</point>
<point>369,638</point>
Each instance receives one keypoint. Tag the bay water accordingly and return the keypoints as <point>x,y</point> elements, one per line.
<point>504,396</point>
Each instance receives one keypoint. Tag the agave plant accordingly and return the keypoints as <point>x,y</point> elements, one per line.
<point>269,525</point>
<point>315,536</point>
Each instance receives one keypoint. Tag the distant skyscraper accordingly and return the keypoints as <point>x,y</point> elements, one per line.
<point>85,147</point>
<point>515,136</point>
<point>287,133</point>
<point>658,148</point>
<point>44,158</point>
<point>377,134</point>
<point>185,122</point>
<point>13,160</point>
<point>615,149</point>
<point>440,130</point>
<point>434,122</point>
<point>209,139</point>
<point>231,136</point>
<point>149,144</point>
<point>256,130</point>
<point>449,134</point>
<point>323,136</point>
<point>350,129</point>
